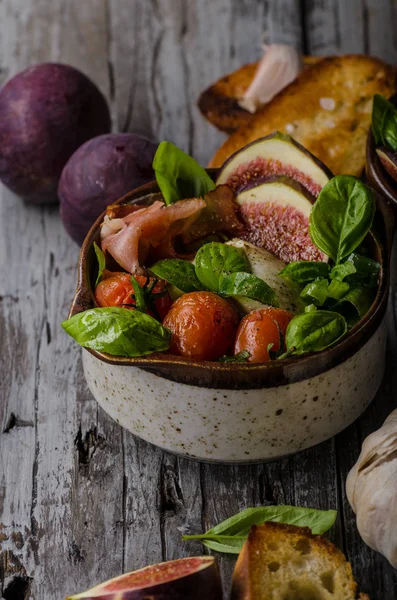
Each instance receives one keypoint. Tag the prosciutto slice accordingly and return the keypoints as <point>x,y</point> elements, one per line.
<point>146,228</point>
<point>129,236</point>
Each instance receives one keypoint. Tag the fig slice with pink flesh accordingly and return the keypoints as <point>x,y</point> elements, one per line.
<point>276,154</point>
<point>276,217</point>
<point>388,158</point>
<point>194,578</point>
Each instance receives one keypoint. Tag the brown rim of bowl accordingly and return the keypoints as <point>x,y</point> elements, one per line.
<point>244,375</point>
<point>377,175</point>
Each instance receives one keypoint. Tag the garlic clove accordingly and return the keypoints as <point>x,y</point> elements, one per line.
<point>371,489</point>
<point>279,66</point>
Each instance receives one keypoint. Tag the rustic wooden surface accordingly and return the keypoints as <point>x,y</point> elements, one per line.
<point>81,500</point>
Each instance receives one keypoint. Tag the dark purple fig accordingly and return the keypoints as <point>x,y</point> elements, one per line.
<point>195,578</point>
<point>276,154</point>
<point>388,158</point>
<point>276,217</point>
<point>46,113</point>
<point>99,173</point>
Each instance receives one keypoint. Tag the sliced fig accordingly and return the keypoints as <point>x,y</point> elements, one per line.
<point>388,158</point>
<point>267,267</point>
<point>276,217</point>
<point>275,154</point>
<point>194,578</point>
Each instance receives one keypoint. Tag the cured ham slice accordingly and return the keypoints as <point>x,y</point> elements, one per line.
<point>146,228</point>
<point>130,235</point>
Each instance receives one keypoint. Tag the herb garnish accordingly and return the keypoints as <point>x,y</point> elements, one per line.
<point>384,122</point>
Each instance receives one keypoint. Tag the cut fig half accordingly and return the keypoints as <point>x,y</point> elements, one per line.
<point>388,158</point>
<point>276,217</point>
<point>276,154</point>
<point>194,578</point>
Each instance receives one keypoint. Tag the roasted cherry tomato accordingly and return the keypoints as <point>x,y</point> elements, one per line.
<point>260,328</point>
<point>203,326</point>
<point>116,289</point>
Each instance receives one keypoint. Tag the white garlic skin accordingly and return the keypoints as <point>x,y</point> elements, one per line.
<point>371,489</point>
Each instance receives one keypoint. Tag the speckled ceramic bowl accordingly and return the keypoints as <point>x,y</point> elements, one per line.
<point>240,412</point>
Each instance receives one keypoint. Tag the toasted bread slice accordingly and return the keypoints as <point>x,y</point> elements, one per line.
<point>284,562</point>
<point>219,103</point>
<point>327,109</point>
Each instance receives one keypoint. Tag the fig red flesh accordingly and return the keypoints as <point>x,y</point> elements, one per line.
<point>194,578</point>
<point>388,158</point>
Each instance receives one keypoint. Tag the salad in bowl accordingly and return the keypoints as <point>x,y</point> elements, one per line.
<point>251,286</point>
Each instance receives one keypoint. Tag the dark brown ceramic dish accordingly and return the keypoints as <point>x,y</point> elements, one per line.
<point>243,376</point>
<point>377,176</point>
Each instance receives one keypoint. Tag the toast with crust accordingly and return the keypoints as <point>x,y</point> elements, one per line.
<point>284,562</point>
<point>327,109</point>
<point>219,103</point>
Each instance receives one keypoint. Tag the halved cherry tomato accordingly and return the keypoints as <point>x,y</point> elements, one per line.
<point>116,289</point>
<point>259,329</point>
<point>203,326</point>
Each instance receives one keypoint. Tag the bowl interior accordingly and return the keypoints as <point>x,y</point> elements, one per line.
<point>241,375</point>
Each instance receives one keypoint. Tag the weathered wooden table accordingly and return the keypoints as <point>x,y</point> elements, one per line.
<point>81,500</point>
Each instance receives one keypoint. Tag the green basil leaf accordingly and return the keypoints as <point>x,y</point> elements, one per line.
<point>384,122</point>
<point>230,535</point>
<point>366,270</point>
<point>337,289</point>
<point>178,175</point>
<point>339,272</point>
<point>304,271</point>
<point>314,331</point>
<point>310,308</point>
<point>341,216</point>
<point>315,292</point>
<point>180,273</point>
<point>118,331</point>
<point>216,260</point>
<point>247,286</point>
<point>139,294</point>
<point>356,303</point>
<point>240,357</point>
<point>101,262</point>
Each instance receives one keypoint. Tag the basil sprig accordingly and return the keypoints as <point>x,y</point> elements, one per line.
<point>101,262</point>
<point>118,331</point>
<point>313,331</point>
<point>304,271</point>
<point>178,175</point>
<point>341,216</point>
<point>219,268</point>
<point>240,357</point>
<point>384,122</point>
<point>230,535</point>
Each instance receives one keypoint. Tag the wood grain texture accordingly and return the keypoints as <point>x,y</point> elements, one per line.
<point>80,499</point>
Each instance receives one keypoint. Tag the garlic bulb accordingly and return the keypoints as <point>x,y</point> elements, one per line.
<point>279,66</point>
<point>372,490</point>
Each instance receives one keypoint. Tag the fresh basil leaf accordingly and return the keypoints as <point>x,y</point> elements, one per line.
<point>139,295</point>
<point>341,216</point>
<point>247,286</point>
<point>178,175</point>
<point>101,262</point>
<point>118,331</point>
<point>384,122</point>
<point>366,270</point>
<point>339,272</point>
<point>240,357</point>
<point>180,273</point>
<point>360,299</point>
<point>314,331</point>
<point>337,289</point>
<point>215,260</point>
<point>315,292</point>
<point>231,534</point>
<point>310,308</point>
<point>304,271</point>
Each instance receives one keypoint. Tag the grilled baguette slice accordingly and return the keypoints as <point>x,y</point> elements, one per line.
<point>327,109</point>
<point>219,103</point>
<point>284,562</point>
